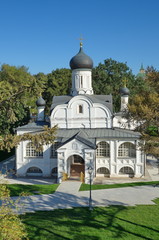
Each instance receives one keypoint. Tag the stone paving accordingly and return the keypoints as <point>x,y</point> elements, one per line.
<point>69,196</point>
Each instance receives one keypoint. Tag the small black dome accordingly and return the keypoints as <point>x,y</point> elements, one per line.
<point>81,60</point>
<point>124,91</point>
<point>40,102</point>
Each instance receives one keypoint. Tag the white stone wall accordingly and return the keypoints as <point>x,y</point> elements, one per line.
<point>121,122</point>
<point>114,163</point>
<point>82,81</point>
<point>93,115</point>
<point>45,163</point>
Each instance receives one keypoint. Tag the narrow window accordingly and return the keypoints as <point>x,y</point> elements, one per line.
<point>80,109</point>
<point>81,82</point>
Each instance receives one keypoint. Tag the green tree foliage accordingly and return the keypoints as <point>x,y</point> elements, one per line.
<point>11,226</point>
<point>144,109</point>
<point>58,83</point>
<point>108,78</point>
<point>18,91</point>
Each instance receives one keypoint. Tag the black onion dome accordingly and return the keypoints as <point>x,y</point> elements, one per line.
<point>124,91</point>
<point>81,60</point>
<point>40,102</point>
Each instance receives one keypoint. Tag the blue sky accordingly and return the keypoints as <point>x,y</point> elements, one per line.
<point>43,34</point>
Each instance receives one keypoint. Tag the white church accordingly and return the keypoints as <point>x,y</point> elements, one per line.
<point>89,134</point>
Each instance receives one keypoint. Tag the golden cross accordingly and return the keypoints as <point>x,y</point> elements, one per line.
<point>124,81</point>
<point>81,39</point>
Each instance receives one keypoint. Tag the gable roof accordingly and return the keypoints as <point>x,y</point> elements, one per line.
<point>81,136</point>
<point>106,100</point>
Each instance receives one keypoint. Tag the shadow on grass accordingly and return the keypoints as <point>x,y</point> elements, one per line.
<point>113,222</point>
<point>17,189</point>
<point>80,223</point>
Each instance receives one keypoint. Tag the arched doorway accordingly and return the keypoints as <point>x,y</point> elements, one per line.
<point>75,166</point>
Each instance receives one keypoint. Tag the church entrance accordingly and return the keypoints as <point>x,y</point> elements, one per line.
<point>76,166</point>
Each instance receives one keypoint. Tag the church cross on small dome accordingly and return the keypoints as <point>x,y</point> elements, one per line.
<point>81,41</point>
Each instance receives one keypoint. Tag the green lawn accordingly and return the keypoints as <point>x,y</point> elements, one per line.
<point>17,189</point>
<point>114,222</point>
<point>86,187</point>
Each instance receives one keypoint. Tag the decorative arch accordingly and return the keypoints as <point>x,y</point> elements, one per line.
<point>103,149</point>
<point>34,171</point>
<point>103,108</point>
<point>79,98</point>
<point>127,149</point>
<point>103,171</point>
<point>126,171</point>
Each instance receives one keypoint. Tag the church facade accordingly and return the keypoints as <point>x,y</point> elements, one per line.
<point>89,134</point>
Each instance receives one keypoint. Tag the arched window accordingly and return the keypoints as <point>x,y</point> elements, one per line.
<point>54,147</point>
<point>103,170</point>
<point>103,149</point>
<point>81,82</point>
<point>126,170</point>
<point>127,150</point>
<point>80,109</point>
<point>34,170</point>
<point>32,152</point>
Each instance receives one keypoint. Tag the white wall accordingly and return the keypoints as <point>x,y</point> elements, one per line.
<point>45,163</point>
<point>94,115</point>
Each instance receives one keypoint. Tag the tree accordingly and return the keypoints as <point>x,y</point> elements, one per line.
<point>108,78</point>
<point>144,110</point>
<point>58,83</point>
<point>18,90</point>
<point>11,226</point>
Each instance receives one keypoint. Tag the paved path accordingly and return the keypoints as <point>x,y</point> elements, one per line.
<point>68,196</point>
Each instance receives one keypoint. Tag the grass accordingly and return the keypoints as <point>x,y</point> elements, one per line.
<point>86,187</point>
<point>114,222</point>
<point>17,189</point>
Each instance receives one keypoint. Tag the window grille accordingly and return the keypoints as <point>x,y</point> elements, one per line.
<point>32,152</point>
<point>126,170</point>
<point>34,170</point>
<point>103,149</point>
<point>103,170</point>
<point>127,150</point>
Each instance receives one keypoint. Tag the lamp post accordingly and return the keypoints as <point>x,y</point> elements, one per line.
<point>90,171</point>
